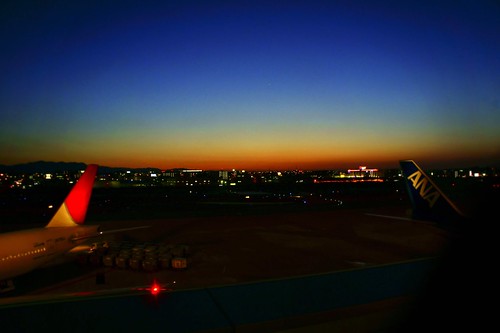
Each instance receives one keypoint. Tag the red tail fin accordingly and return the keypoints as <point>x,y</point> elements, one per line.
<point>79,197</point>
<point>74,208</point>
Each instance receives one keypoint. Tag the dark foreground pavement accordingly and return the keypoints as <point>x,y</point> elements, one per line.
<point>308,302</point>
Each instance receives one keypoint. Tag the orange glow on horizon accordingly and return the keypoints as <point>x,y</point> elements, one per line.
<point>260,157</point>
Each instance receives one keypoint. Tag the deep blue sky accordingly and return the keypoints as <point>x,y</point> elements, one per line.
<point>250,84</point>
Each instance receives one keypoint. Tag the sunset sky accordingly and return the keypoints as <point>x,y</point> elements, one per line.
<point>250,84</point>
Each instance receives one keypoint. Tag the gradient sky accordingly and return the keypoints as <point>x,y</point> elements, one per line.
<point>250,84</point>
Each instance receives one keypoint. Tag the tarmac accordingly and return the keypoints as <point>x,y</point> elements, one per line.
<point>239,249</point>
<point>334,269</point>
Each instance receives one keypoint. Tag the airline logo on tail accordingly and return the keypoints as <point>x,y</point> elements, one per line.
<point>428,201</point>
<point>427,191</point>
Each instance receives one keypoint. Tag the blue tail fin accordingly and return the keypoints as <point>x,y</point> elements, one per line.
<point>428,201</point>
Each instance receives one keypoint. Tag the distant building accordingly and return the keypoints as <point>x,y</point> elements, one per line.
<point>224,175</point>
<point>363,172</point>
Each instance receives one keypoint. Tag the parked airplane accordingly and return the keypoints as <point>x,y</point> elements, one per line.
<point>428,202</point>
<point>26,250</point>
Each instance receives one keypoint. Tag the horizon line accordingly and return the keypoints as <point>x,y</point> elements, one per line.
<point>243,169</point>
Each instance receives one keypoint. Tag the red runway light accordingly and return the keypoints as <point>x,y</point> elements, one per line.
<point>155,289</point>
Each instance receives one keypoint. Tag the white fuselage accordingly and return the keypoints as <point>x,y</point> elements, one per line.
<point>26,250</point>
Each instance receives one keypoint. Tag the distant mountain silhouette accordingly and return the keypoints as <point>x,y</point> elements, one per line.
<point>43,167</point>
<point>54,167</point>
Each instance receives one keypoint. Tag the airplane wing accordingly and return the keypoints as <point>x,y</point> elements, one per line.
<point>108,232</point>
